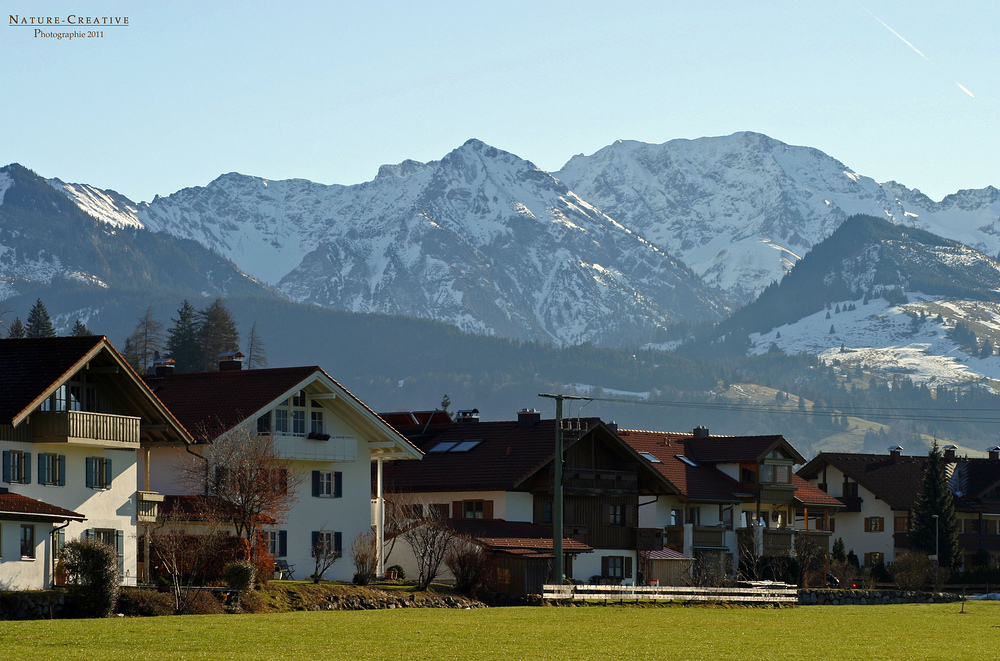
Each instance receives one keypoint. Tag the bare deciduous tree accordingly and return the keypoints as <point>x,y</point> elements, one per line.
<point>325,553</point>
<point>363,552</point>
<point>429,537</point>
<point>470,564</point>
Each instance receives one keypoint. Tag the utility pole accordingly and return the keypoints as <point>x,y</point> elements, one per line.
<point>557,490</point>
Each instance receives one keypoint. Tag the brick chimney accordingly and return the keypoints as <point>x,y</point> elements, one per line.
<point>230,362</point>
<point>164,366</point>
<point>528,418</point>
<point>701,432</point>
<point>949,452</point>
<point>896,452</point>
<point>994,452</point>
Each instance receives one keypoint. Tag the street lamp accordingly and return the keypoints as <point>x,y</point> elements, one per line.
<point>937,540</point>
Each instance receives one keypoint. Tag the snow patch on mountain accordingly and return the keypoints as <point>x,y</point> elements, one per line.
<point>5,183</point>
<point>106,206</point>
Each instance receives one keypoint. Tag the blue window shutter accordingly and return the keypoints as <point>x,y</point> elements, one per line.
<point>90,472</point>
<point>315,487</point>
<point>62,470</point>
<point>107,474</point>
<point>88,533</point>
<point>282,543</point>
<point>338,484</point>
<point>6,466</point>
<point>27,468</point>
<point>41,470</point>
<point>337,542</point>
<point>120,549</point>
<point>315,543</point>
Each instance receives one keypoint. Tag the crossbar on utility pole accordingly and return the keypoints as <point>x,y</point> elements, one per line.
<point>557,491</point>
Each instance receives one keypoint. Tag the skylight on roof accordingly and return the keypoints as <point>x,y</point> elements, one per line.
<point>650,458</point>
<point>686,460</point>
<point>456,446</point>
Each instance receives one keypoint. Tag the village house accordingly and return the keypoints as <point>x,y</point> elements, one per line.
<point>493,481</point>
<point>73,419</point>
<point>879,490</point>
<point>720,497</point>
<point>327,435</point>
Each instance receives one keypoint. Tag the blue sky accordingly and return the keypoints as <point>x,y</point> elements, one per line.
<point>329,91</point>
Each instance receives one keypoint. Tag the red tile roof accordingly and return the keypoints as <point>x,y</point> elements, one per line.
<point>506,456</point>
<point>16,506</point>
<point>666,554</point>
<point>808,494</point>
<point>514,537</point>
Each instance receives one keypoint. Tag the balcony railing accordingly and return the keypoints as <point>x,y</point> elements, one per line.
<point>708,536</point>
<point>600,480</point>
<point>85,428</point>
<point>852,503</point>
<point>148,505</point>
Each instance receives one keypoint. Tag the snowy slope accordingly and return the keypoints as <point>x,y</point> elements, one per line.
<point>741,210</point>
<point>481,239</point>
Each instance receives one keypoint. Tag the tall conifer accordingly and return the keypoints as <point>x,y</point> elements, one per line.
<point>182,340</point>
<point>39,324</point>
<point>935,498</point>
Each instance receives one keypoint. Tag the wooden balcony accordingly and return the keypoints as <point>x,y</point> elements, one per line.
<point>673,537</point>
<point>778,541</point>
<point>708,537</point>
<point>148,505</point>
<point>970,541</point>
<point>820,537</point>
<point>853,503</point>
<point>101,430</point>
<point>600,481</point>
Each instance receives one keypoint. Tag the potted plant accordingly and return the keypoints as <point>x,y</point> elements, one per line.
<point>59,576</point>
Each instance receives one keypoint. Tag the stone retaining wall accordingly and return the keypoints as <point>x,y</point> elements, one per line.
<point>869,597</point>
<point>41,605</point>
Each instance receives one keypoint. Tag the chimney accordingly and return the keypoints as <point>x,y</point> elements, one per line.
<point>613,426</point>
<point>994,452</point>
<point>701,432</point>
<point>896,452</point>
<point>468,416</point>
<point>949,452</point>
<point>164,367</point>
<point>230,362</point>
<point>528,418</point>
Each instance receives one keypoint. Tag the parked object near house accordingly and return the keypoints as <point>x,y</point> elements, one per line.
<point>320,431</point>
<point>73,419</point>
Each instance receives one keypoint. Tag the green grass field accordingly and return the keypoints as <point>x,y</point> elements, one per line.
<point>908,632</point>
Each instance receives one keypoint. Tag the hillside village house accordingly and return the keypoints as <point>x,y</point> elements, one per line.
<point>879,490</point>
<point>324,431</point>
<point>493,481</point>
<point>73,419</point>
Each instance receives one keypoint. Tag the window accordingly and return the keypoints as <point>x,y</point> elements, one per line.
<point>16,467</point>
<point>650,458</point>
<point>299,423</point>
<point>676,517</point>
<point>456,446</point>
<point>98,473</point>
<point>52,469</point>
<point>686,460</point>
<point>616,515</point>
<point>775,474</point>
<point>264,424</point>
<point>616,566</point>
<point>113,538</point>
<point>281,421</point>
<point>874,558</point>
<point>326,543</point>
<point>874,524</point>
<point>748,474</point>
<point>277,542</point>
<point>472,509</point>
<point>299,398</point>
<point>694,516</point>
<point>547,512</point>
<point>327,484</point>
<point>317,422</point>
<point>850,490</point>
<point>28,542</point>
<point>901,524</point>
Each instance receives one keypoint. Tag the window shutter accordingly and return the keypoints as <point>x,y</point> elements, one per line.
<point>628,567</point>
<point>107,474</point>
<point>120,548</point>
<point>61,470</point>
<point>605,566</point>
<point>41,470</point>
<point>337,538</point>
<point>457,511</point>
<point>338,485</point>
<point>27,468</point>
<point>607,513</point>
<point>487,509</point>
<point>90,472</point>
<point>868,524</point>
<point>315,488</point>
<point>315,542</point>
<point>282,543</point>
<point>88,533</point>
<point>6,466</point>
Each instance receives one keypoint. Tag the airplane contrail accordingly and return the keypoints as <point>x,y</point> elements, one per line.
<point>915,49</point>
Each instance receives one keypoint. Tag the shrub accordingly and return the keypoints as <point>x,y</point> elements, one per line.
<point>239,576</point>
<point>92,567</point>
<point>911,570</point>
<point>144,603</point>
<point>400,574</point>
<point>470,565</point>
<point>365,556</point>
<point>202,602</point>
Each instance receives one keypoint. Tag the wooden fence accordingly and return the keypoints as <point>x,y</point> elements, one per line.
<point>764,593</point>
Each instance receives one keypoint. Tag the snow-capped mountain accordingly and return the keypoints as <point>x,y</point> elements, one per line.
<point>741,210</point>
<point>481,239</point>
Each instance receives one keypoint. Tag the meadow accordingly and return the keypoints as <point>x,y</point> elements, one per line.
<point>911,631</point>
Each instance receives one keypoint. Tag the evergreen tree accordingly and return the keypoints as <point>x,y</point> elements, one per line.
<point>256,353</point>
<point>935,499</point>
<point>17,329</point>
<point>80,329</point>
<point>182,340</point>
<point>39,323</point>
<point>147,339</point>
<point>217,334</point>
<point>131,354</point>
